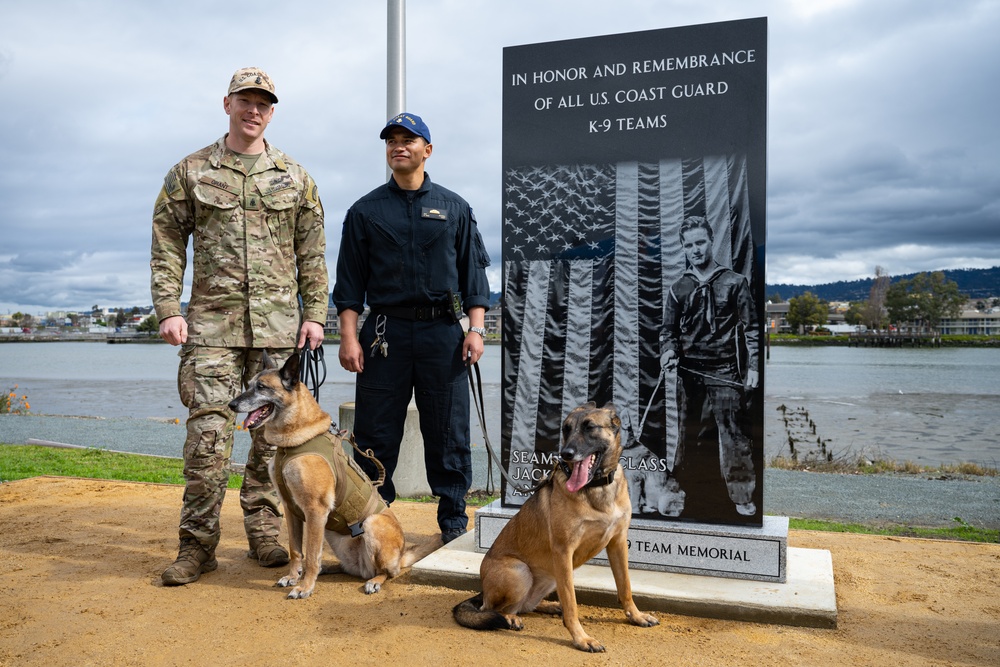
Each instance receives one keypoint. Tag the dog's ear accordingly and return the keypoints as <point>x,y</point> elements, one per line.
<point>290,372</point>
<point>589,406</point>
<point>615,420</point>
<point>268,362</point>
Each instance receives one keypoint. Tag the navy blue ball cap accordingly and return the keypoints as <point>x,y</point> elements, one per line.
<point>407,121</point>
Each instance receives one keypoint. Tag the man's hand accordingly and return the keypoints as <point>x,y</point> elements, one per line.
<point>668,360</point>
<point>752,379</point>
<point>174,330</point>
<point>472,347</point>
<point>311,333</point>
<point>351,356</point>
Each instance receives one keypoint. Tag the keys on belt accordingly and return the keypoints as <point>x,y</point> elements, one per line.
<point>380,343</point>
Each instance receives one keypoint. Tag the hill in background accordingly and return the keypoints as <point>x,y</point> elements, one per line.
<point>974,283</point>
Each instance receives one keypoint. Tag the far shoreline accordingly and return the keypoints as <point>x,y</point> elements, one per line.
<point>776,340</point>
<point>845,340</point>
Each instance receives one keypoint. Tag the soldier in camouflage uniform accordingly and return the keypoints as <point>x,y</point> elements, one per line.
<point>259,247</point>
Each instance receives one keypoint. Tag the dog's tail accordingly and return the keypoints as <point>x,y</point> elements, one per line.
<point>415,552</point>
<point>470,614</point>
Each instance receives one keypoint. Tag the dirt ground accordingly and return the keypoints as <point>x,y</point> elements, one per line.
<point>79,585</point>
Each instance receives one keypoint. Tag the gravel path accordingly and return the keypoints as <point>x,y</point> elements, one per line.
<point>918,500</point>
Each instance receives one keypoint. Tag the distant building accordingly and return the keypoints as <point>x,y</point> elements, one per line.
<point>777,318</point>
<point>972,322</point>
<point>494,319</point>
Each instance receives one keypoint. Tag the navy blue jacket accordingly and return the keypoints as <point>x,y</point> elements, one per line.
<point>402,248</point>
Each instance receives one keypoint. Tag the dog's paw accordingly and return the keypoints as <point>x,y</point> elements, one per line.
<point>372,587</point>
<point>589,644</point>
<point>514,621</point>
<point>285,582</point>
<point>643,620</point>
<point>298,593</point>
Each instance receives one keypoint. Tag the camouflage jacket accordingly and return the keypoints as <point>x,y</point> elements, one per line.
<point>259,245</point>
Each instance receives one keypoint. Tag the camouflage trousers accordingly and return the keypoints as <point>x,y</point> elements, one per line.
<point>208,378</point>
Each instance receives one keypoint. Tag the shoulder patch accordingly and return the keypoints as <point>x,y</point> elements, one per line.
<point>312,193</point>
<point>171,183</point>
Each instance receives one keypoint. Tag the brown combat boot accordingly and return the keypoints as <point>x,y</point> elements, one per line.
<point>191,561</point>
<point>268,552</point>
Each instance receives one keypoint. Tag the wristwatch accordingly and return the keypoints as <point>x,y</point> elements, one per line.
<point>479,330</point>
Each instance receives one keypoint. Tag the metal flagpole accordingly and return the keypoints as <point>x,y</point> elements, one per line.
<point>395,93</point>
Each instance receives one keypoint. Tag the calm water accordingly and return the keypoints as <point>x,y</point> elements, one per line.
<point>923,405</point>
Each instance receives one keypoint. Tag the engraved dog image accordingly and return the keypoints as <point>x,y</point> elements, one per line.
<point>324,493</point>
<point>650,485</point>
<point>582,508</point>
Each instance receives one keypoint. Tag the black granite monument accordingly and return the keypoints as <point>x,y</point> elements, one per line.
<point>634,177</point>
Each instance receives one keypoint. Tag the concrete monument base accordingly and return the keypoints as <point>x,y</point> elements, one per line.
<point>734,552</point>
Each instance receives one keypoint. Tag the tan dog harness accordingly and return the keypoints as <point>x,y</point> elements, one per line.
<point>356,498</point>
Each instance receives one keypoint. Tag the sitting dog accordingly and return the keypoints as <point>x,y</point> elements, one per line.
<point>584,507</point>
<point>322,489</point>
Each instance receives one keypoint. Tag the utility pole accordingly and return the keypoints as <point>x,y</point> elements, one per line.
<point>395,92</point>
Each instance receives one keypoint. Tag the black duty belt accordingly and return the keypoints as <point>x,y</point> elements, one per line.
<point>421,313</point>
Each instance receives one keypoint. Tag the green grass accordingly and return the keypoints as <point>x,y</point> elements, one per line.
<point>961,531</point>
<point>875,464</point>
<point>22,462</point>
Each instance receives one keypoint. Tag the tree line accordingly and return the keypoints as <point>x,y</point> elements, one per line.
<point>117,319</point>
<point>923,301</point>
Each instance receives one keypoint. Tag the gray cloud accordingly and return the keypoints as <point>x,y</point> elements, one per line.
<point>882,140</point>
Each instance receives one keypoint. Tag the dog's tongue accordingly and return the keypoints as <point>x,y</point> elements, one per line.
<point>581,474</point>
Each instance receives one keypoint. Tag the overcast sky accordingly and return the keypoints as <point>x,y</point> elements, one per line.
<point>883,140</point>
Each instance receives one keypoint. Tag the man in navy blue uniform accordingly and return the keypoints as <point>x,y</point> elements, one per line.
<point>412,251</point>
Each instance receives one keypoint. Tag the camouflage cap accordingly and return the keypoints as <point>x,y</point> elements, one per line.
<point>252,78</point>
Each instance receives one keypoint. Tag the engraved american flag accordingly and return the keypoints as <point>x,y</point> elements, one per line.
<point>588,253</point>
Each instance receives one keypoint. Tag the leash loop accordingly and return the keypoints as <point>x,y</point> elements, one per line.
<point>310,363</point>
<point>368,454</point>
<point>477,395</point>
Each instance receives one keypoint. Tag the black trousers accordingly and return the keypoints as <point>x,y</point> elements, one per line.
<point>424,361</point>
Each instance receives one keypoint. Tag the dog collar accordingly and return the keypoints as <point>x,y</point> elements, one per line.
<point>602,481</point>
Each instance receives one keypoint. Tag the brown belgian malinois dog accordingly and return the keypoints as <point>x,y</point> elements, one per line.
<point>323,491</point>
<point>582,508</point>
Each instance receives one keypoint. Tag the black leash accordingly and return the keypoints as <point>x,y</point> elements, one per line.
<point>477,395</point>
<point>310,363</point>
